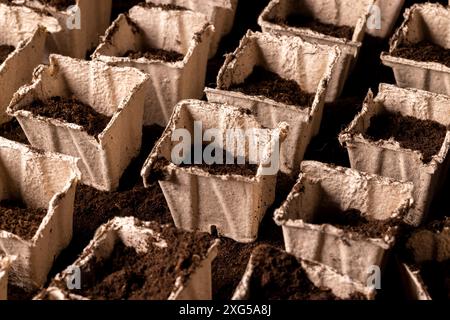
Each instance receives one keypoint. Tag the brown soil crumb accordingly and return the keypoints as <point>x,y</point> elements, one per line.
<point>70,111</point>
<point>13,131</point>
<point>268,84</point>
<point>423,51</point>
<point>5,50</point>
<point>300,21</point>
<point>155,54</point>
<point>166,7</point>
<point>425,136</point>
<point>354,221</point>
<point>149,276</point>
<point>16,218</point>
<point>280,276</point>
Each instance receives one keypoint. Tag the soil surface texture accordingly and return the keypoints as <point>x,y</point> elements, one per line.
<point>155,54</point>
<point>423,51</point>
<point>16,218</point>
<point>149,276</point>
<point>425,136</point>
<point>262,82</point>
<point>5,50</point>
<point>70,111</point>
<point>300,21</point>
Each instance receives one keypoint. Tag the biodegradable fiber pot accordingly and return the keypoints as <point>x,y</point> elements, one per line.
<point>322,188</point>
<point>182,31</point>
<point>29,41</point>
<point>429,22</point>
<point>387,157</point>
<point>311,66</point>
<point>319,274</point>
<point>341,13</point>
<point>425,245</point>
<point>4,269</point>
<point>79,26</point>
<point>133,233</point>
<point>198,200</point>
<point>220,13</point>
<point>115,92</point>
<point>41,180</point>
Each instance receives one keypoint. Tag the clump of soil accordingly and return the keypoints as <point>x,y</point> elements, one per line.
<point>424,51</point>
<point>155,54</point>
<point>280,276</point>
<point>300,21</point>
<point>149,276</point>
<point>265,83</point>
<point>13,131</point>
<point>5,50</point>
<point>425,136</point>
<point>354,221</point>
<point>71,111</point>
<point>16,218</point>
<point>166,7</point>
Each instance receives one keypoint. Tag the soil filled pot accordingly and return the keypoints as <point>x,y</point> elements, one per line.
<point>22,48</point>
<point>37,191</point>
<point>273,274</point>
<point>332,23</point>
<point>220,13</point>
<point>4,270</point>
<point>169,44</point>
<point>403,134</point>
<point>343,218</point>
<point>81,22</point>
<point>420,49</point>
<point>426,269</point>
<point>87,110</point>
<point>265,65</point>
<point>177,265</point>
<point>231,196</point>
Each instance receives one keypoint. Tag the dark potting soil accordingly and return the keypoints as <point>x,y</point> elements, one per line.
<point>70,111</point>
<point>5,50</point>
<point>16,218</point>
<point>300,21</point>
<point>425,136</point>
<point>280,276</point>
<point>155,54</point>
<point>166,7</point>
<point>13,131</point>
<point>436,276</point>
<point>262,82</point>
<point>149,276</point>
<point>439,225</point>
<point>354,221</point>
<point>423,51</point>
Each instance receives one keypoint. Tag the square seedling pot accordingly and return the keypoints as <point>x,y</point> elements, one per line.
<point>80,25</point>
<point>322,190</point>
<point>387,157</point>
<point>4,270</point>
<point>29,43</point>
<point>310,65</point>
<point>198,200</point>
<point>115,92</point>
<point>220,13</point>
<point>185,32</point>
<point>40,180</point>
<point>424,22</point>
<point>341,13</point>
<point>319,274</point>
<point>132,233</point>
<point>425,246</point>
